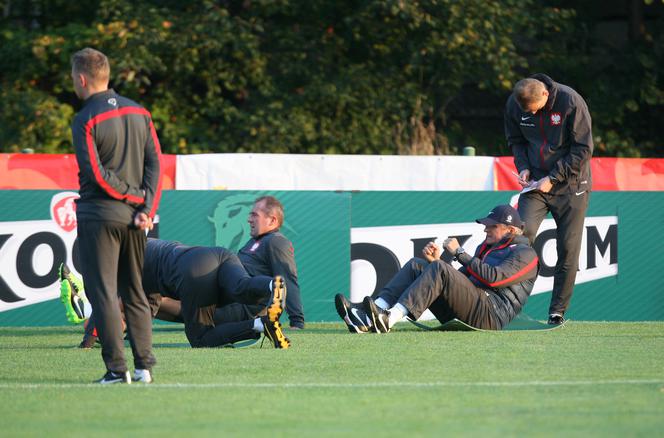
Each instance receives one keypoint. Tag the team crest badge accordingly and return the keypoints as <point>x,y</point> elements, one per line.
<point>255,246</point>
<point>63,210</point>
<point>556,119</point>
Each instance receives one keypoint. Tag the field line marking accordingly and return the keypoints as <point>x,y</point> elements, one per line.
<point>535,383</point>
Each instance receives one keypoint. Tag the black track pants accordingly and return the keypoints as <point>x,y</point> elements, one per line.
<point>212,278</point>
<point>439,287</point>
<point>112,264</point>
<point>569,213</point>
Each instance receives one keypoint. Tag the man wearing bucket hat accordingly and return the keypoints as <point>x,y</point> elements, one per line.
<point>487,292</point>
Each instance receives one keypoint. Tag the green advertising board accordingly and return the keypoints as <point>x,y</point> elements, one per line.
<point>318,224</point>
<point>620,270</point>
<point>634,292</point>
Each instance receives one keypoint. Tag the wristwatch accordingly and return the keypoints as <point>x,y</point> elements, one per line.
<point>458,252</point>
<point>553,179</point>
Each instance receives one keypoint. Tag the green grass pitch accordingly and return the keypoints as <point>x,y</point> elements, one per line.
<point>585,379</point>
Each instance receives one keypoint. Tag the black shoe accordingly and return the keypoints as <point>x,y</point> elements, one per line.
<point>110,378</point>
<point>272,331</point>
<point>88,342</point>
<point>556,319</point>
<point>353,315</point>
<point>278,301</point>
<point>379,317</point>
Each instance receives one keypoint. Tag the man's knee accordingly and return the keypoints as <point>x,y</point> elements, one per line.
<point>416,264</point>
<point>440,266</point>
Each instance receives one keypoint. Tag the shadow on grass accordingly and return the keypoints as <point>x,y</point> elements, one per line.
<point>37,331</point>
<point>72,346</point>
<point>168,328</point>
<point>172,345</point>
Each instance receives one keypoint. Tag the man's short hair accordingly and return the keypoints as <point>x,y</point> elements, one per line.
<point>91,63</point>
<point>527,91</point>
<point>272,206</point>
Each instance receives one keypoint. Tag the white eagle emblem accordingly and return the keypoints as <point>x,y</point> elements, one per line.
<point>556,119</point>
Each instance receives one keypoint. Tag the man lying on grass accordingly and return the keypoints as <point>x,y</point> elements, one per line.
<point>487,292</point>
<point>207,288</point>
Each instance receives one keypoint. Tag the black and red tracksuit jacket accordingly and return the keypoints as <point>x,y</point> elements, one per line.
<point>507,270</point>
<point>556,141</point>
<point>118,154</point>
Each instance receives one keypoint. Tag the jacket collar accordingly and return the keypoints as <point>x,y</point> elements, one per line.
<point>102,95</point>
<point>276,230</point>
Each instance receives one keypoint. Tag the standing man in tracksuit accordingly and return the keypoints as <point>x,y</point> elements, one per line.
<point>117,151</point>
<point>269,252</point>
<point>487,292</point>
<point>548,128</point>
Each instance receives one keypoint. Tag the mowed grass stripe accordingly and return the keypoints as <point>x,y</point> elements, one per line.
<point>338,385</point>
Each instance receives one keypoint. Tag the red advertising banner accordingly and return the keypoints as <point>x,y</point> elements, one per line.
<point>57,171</point>
<point>609,174</point>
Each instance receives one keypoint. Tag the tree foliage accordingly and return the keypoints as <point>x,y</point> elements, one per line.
<point>374,76</point>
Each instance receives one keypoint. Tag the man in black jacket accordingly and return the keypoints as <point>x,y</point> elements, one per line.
<point>487,292</point>
<point>548,128</point>
<point>269,252</point>
<point>117,151</point>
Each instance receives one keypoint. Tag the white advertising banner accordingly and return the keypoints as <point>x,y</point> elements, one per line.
<point>333,172</point>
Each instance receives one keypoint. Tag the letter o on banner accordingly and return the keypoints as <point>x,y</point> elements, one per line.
<point>25,259</point>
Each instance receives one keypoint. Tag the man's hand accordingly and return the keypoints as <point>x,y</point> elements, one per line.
<point>544,185</point>
<point>451,245</point>
<point>431,252</point>
<point>143,222</point>
<point>524,178</point>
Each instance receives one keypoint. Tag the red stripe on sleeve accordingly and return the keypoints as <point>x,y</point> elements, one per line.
<point>157,196</point>
<point>520,273</point>
<point>92,155</point>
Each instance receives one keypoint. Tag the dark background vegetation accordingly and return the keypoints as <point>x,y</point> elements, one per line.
<point>323,76</point>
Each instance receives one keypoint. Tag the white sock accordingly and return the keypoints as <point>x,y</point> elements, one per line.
<point>396,314</point>
<point>258,325</point>
<point>382,303</point>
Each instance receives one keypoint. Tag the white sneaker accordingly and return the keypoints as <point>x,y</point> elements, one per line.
<point>144,376</point>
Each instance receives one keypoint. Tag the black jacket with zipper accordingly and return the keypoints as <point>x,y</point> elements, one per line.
<point>117,151</point>
<point>507,270</point>
<point>556,141</point>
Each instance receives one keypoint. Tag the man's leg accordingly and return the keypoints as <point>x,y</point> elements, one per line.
<point>99,246</point>
<point>394,288</point>
<point>235,312</point>
<point>197,320</point>
<point>449,294</point>
<point>169,310</point>
<point>364,318</point>
<point>237,286</point>
<point>569,212</point>
<point>215,276</point>
<point>533,208</point>
<point>137,310</point>
<point>228,333</point>
<point>90,333</point>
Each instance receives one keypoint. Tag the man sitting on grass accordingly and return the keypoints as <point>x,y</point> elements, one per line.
<point>487,292</point>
